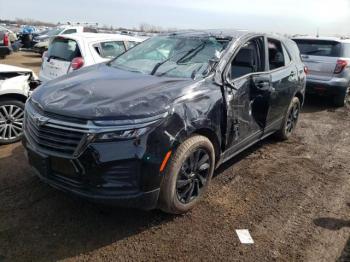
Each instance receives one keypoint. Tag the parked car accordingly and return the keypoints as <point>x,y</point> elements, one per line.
<point>41,42</point>
<point>328,61</point>
<point>5,44</point>
<point>71,52</point>
<point>148,128</point>
<point>12,36</point>
<point>16,83</point>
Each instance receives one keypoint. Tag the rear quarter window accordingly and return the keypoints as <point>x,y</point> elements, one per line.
<point>64,49</point>
<point>319,47</point>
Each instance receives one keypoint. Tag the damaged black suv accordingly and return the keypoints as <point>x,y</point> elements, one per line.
<point>148,128</point>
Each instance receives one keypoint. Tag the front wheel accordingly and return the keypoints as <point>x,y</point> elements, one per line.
<point>11,121</point>
<point>187,176</point>
<point>290,121</point>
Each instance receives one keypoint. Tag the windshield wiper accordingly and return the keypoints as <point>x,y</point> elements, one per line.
<point>195,51</point>
<point>156,67</point>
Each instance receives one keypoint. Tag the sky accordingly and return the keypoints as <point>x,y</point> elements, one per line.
<point>281,16</point>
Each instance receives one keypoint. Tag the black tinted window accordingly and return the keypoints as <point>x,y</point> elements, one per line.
<point>69,31</point>
<point>319,47</point>
<point>90,30</point>
<point>249,59</point>
<point>276,56</point>
<point>64,49</point>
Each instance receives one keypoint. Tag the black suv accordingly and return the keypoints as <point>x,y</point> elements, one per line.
<point>148,128</point>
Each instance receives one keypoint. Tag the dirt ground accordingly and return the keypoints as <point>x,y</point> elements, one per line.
<point>292,196</point>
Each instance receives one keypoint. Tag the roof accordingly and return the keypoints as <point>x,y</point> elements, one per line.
<point>92,37</point>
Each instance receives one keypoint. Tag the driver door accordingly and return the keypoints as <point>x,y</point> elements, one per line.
<point>247,93</point>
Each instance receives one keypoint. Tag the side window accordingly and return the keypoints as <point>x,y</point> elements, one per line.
<point>69,31</point>
<point>249,59</point>
<point>130,44</point>
<point>276,56</point>
<point>111,49</point>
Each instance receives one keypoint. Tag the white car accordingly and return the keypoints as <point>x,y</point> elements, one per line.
<point>16,84</point>
<point>42,41</point>
<point>72,52</point>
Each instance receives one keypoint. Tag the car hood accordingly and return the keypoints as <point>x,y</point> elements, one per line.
<point>104,92</point>
<point>42,37</point>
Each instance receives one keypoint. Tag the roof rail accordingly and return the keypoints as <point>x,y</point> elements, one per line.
<point>80,24</point>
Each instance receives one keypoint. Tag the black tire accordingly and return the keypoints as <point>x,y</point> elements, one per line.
<point>342,99</point>
<point>290,120</point>
<point>172,198</point>
<point>18,124</point>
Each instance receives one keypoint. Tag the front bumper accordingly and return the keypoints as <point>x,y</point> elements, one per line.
<point>105,173</point>
<point>335,86</point>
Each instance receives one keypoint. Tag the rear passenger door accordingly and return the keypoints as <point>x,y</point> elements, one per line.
<point>284,79</point>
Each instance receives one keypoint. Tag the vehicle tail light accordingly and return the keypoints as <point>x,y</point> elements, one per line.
<point>306,70</point>
<point>77,63</point>
<point>6,40</point>
<point>341,64</point>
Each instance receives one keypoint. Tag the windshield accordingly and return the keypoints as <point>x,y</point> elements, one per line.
<point>54,32</point>
<point>173,56</point>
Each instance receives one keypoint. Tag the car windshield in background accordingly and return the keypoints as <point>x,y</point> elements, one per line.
<point>172,56</point>
<point>63,49</point>
<point>319,47</point>
<point>54,31</point>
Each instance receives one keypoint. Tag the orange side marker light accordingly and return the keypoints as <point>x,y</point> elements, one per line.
<point>165,161</point>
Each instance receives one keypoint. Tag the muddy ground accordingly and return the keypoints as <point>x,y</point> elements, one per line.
<point>293,197</point>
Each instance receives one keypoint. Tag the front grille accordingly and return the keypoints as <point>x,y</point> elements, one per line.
<point>56,116</point>
<point>51,136</point>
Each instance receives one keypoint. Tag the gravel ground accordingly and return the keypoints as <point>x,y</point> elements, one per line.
<point>292,196</point>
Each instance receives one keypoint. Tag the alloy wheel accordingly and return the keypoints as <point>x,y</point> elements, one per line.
<point>11,122</point>
<point>292,118</point>
<point>193,176</point>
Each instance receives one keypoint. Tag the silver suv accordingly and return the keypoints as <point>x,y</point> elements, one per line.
<point>328,62</point>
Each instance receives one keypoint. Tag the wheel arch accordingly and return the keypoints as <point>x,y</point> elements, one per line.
<point>13,96</point>
<point>211,135</point>
<point>300,96</point>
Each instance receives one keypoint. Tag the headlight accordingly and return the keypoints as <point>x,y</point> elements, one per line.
<point>122,135</point>
<point>126,129</point>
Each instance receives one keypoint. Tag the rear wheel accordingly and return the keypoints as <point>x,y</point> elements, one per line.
<point>342,99</point>
<point>11,121</point>
<point>290,121</point>
<point>188,175</point>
